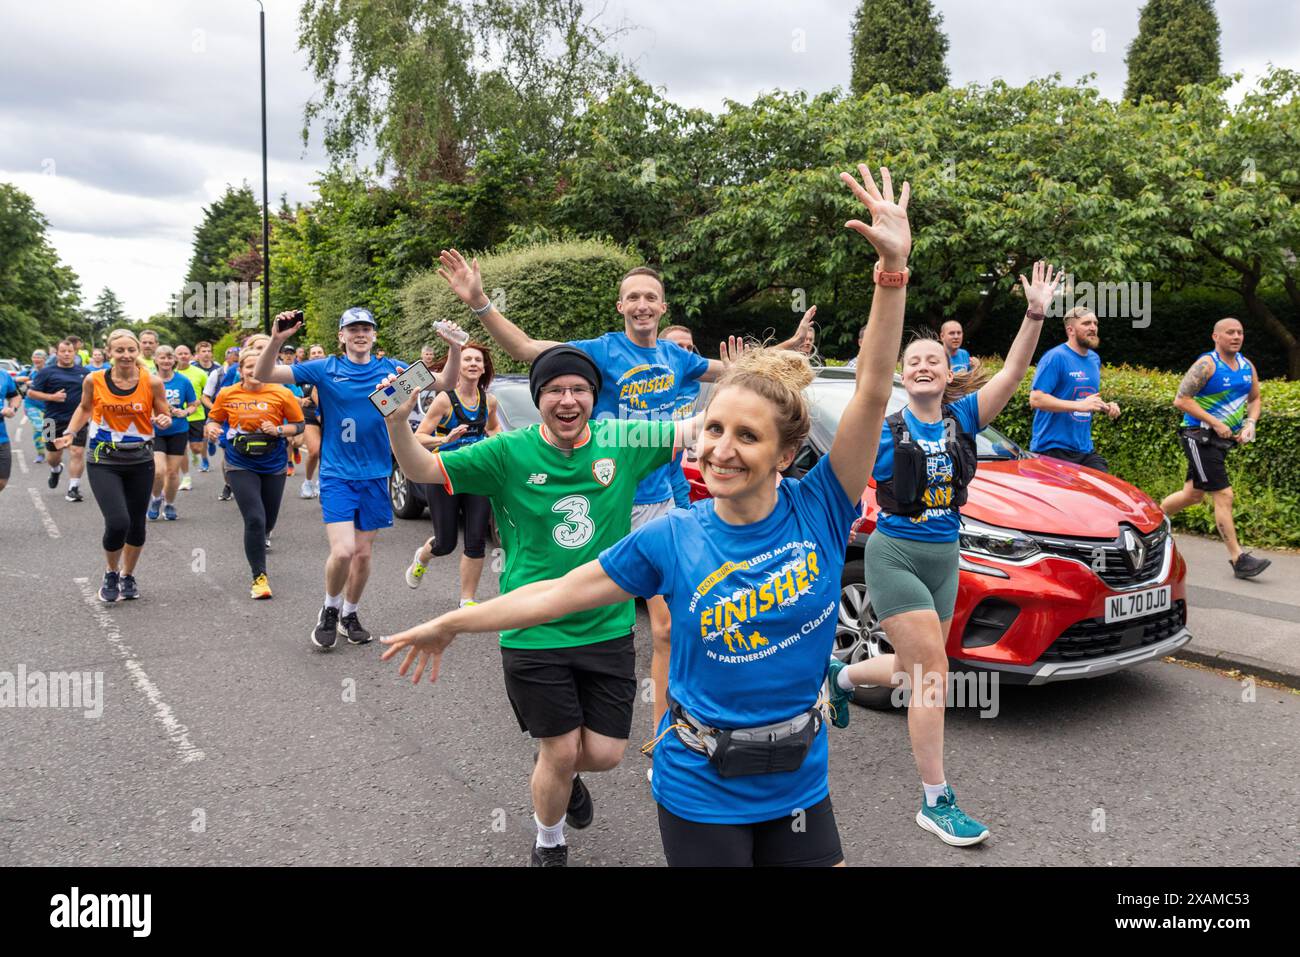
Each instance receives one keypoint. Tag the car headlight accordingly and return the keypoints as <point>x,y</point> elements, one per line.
<point>995,542</point>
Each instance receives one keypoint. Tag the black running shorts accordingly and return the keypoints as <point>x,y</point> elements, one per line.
<point>810,841</point>
<point>6,462</point>
<point>554,690</point>
<point>1089,460</point>
<point>171,444</point>
<point>60,429</point>
<point>196,430</point>
<point>1207,459</point>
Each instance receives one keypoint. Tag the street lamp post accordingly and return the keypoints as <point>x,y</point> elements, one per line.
<point>266,221</point>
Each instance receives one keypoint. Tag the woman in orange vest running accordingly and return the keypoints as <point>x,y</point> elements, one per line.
<point>123,404</point>
<point>253,419</point>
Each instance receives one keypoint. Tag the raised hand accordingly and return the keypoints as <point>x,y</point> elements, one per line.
<point>805,333</point>
<point>1040,293</point>
<point>889,232</point>
<point>463,277</point>
<point>730,350</point>
<point>403,411</point>
<point>280,338</point>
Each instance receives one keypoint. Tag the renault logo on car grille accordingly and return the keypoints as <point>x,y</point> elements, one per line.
<point>1135,550</point>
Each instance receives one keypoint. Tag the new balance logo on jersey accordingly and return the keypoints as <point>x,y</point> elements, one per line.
<point>536,478</point>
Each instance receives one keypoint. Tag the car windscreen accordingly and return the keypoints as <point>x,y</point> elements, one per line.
<point>515,403</point>
<point>831,395</point>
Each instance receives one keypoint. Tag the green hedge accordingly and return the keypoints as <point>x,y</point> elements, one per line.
<point>561,291</point>
<point>1142,448</point>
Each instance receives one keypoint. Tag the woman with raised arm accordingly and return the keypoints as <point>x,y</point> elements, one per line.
<point>752,577</point>
<point>927,458</point>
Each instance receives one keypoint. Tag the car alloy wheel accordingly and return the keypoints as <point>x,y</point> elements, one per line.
<point>859,636</point>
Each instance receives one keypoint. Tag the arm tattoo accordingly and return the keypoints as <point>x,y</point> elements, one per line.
<point>1199,374</point>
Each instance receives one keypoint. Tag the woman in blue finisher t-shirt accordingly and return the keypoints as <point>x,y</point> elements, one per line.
<point>752,578</point>
<point>911,559</point>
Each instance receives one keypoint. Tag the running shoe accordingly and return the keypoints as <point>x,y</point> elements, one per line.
<point>350,627</point>
<point>126,585</point>
<point>108,591</point>
<point>289,470</point>
<point>297,457</point>
<point>212,450</point>
<point>203,466</point>
<point>326,628</point>
<point>950,822</point>
<point>187,483</point>
<point>155,506</point>
<point>261,587</point>
<point>305,491</point>
<point>74,494</point>
<point>415,571</point>
<point>557,856</point>
<point>581,809</point>
<point>39,460</point>
<point>53,481</point>
<point>839,698</point>
<point>467,603</point>
<point>268,543</point>
<point>226,494</point>
<point>169,512</point>
<point>1248,566</point>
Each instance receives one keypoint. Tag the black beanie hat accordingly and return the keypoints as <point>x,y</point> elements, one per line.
<point>561,360</point>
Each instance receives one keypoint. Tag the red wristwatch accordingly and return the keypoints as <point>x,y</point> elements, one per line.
<point>894,279</point>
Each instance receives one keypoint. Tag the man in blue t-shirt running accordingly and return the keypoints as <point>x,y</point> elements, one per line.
<point>643,378</point>
<point>356,458</point>
<point>1066,392</point>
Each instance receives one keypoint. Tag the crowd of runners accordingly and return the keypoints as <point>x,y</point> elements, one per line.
<point>593,512</point>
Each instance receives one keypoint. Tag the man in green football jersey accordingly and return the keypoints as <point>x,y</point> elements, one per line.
<point>562,492</point>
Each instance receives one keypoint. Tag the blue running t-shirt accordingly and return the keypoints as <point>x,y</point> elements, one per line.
<point>180,393</point>
<point>642,383</point>
<point>354,441</point>
<point>959,361</point>
<point>754,614</point>
<point>1065,374</point>
<point>941,522</point>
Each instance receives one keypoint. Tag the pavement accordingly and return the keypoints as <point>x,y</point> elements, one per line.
<point>1251,625</point>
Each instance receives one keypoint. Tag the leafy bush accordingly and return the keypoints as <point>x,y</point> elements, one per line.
<point>560,291</point>
<point>1142,448</point>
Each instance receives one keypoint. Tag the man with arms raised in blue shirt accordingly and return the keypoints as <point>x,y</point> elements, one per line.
<point>355,459</point>
<point>1065,394</point>
<point>643,378</point>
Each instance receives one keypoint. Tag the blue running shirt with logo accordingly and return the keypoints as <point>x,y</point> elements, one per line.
<point>1065,374</point>
<point>180,393</point>
<point>959,361</point>
<point>641,383</point>
<point>1225,396</point>
<point>940,522</point>
<point>354,443</point>
<point>754,612</point>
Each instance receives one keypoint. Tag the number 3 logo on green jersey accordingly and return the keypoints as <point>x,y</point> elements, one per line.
<point>576,529</point>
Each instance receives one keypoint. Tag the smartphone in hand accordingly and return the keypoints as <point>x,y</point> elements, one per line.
<point>282,324</point>
<point>416,378</point>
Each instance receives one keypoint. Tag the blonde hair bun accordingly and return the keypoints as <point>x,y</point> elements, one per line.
<point>790,369</point>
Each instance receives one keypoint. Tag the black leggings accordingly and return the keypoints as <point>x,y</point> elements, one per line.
<point>122,494</point>
<point>258,498</point>
<point>776,843</point>
<point>445,510</point>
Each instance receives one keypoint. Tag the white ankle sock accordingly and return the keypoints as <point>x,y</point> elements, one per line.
<point>552,836</point>
<point>844,681</point>
<point>73,483</point>
<point>934,791</point>
<point>349,608</point>
<point>333,601</point>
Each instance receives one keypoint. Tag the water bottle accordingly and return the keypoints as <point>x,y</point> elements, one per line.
<point>459,336</point>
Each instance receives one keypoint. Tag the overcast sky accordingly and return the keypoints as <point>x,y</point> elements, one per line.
<point>124,118</point>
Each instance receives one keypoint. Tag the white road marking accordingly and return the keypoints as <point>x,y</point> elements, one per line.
<point>22,460</point>
<point>46,518</point>
<point>177,732</point>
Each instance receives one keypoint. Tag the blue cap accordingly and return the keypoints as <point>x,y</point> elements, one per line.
<point>357,314</point>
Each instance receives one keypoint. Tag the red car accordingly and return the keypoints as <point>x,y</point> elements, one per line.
<point>1066,572</point>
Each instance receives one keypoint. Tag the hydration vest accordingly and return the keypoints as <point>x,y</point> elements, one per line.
<point>902,493</point>
<point>476,426</point>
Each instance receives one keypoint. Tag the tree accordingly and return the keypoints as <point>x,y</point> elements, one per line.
<point>39,295</point>
<point>1177,44</point>
<point>899,43</point>
<point>227,249</point>
<point>431,82</point>
<point>105,315</point>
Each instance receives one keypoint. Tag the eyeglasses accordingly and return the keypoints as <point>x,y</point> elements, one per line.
<point>579,391</point>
